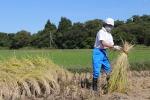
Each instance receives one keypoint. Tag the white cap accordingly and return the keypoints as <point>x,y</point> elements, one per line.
<point>109,21</point>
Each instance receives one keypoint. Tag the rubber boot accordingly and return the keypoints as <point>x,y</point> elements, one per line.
<point>95,84</point>
<point>107,77</point>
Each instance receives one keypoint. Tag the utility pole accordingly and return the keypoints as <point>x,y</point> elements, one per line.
<point>50,39</point>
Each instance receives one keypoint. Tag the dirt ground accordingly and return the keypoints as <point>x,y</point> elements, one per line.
<point>139,88</point>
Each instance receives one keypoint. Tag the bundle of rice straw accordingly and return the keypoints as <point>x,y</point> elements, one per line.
<point>118,81</point>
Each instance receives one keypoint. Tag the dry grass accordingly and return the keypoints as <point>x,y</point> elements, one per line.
<point>27,77</point>
<point>40,78</point>
<point>118,81</point>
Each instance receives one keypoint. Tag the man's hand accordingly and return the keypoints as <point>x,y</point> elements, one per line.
<point>117,47</point>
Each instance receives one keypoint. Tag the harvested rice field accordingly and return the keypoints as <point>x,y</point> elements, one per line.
<point>40,79</point>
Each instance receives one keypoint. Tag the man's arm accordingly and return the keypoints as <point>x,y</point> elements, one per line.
<point>106,44</point>
<point>110,46</point>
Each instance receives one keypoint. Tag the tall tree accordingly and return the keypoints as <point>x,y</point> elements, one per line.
<point>147,37</point>
<point>50,26</point>
<point>65,25</point>
<point>48,35</point>
<point>4,41</point>
<point>76,37</point>
<point>123,32</point>
<point>145,18</point>
<point>92,27</point>
<point>21,39</point>
<point>118,23</point>
<point>136,19</point>
<point>43,38</point>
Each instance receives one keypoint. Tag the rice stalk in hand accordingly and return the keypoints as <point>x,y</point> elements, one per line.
<point>118,81</point>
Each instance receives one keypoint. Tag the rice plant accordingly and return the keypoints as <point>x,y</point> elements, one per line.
<point>119,78</point>
<point>27,77</point>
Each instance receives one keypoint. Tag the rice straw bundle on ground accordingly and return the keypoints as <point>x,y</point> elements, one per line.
<point>29,77</point>
<point>119,79</point>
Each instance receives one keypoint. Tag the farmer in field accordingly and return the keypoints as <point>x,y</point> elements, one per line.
<point>104,41</point>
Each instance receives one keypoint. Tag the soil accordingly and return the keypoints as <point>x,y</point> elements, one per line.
<point>139,88</point>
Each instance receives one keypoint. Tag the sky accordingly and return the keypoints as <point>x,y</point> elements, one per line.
<point>32,15</point>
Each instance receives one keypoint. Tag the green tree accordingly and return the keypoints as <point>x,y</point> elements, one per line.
<point>81,35</point>
<point>92,27</point>
<point>137,30</point>
<point>123,33</point>
<point>11,40</point>
<point>64,25</point>
<point>118,23</point>
<point>38,40</point>
<point>43,38</point>
<point>75,37</point>
<point>34,40</point>
<point>136,19</point>
<point>60,36</point>
<point>147,39</point>
<point>50,26</point>
<point>21,39</point>
<point>146,33</point>
<point>48,31</point>
<point>129,21</point>
<point>145,18</point>
<point>4,41</point>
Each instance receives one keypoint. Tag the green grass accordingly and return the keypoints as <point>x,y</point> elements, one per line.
<point>77,59</point>
<point>139,59</point>
<point>64,58</point>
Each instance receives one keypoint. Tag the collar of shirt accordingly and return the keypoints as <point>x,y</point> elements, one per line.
<point>103,28</point>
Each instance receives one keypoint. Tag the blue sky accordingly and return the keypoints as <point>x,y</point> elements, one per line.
<point>32,15</point>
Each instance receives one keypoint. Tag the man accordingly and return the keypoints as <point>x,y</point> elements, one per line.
<point>104,41</point>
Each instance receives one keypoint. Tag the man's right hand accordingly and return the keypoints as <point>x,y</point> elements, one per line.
<point>117,47</point>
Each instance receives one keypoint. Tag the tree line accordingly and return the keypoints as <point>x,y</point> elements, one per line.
<point>78,35</point>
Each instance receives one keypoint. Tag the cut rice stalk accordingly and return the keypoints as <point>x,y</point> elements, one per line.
<point>118,81</point>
